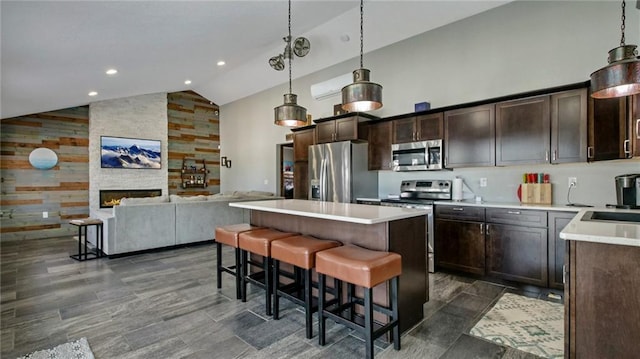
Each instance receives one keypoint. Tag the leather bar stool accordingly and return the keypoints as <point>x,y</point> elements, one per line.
<point>258,242</point>
<point>229,235</point>
<point>366,268</point>
<point>300,252</point>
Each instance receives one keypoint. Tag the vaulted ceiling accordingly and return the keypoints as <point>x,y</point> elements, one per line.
<point>55,52</point>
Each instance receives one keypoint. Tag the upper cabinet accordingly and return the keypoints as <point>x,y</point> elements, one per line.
<point>380,146</point>
<point>522,131</point>
<point>418,128</point>
<point>614,128</point>
<point>634,124</point>
<point>569,126</point>
<point>542,129</point>
<point>469,137</point>
<point>301,141</point>
<point>342,129</point>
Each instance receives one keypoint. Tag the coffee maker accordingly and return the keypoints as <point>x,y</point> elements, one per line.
<point>628,191</point>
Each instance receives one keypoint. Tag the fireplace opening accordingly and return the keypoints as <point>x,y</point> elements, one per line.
<point>112,197</point>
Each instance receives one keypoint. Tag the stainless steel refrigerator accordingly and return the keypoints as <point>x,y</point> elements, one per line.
<point>338,172</point>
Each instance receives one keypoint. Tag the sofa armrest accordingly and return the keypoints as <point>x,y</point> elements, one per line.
<point>143,226</point>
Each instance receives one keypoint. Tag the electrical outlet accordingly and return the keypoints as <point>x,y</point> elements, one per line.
<point>573,182</point>
<point>483,182</point>
<point>45,214</point>
<point>266,181</point>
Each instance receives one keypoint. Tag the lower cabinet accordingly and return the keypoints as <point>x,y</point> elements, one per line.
<point>459,239</point>
<point>512,244</point>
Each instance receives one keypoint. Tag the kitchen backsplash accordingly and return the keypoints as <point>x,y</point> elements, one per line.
<point>595,180</point>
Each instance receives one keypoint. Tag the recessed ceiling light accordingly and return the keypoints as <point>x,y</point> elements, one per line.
<point>112,72</point>
<point>93,93</point>
<point>221,63</point>
<point>187,82</point>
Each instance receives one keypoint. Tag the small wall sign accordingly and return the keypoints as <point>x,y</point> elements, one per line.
<point>43,158</point>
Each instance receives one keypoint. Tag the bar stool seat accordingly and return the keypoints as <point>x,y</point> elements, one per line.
<point>300,252</point>
<point>258,242</point>
<point>366,268</point>
<point>229,235</point>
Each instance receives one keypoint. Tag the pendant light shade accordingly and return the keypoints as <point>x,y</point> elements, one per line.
<point>362,95</point>
<point>622,76</point>
<point>290,114</point>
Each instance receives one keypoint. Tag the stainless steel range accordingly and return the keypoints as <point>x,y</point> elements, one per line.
<point>422,194</point>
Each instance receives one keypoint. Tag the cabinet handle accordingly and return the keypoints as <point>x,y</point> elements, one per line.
<point>445,161</point>
<point>625,146</point>
<point>458,209</point>
<point>487,230</point>
<point>481,228</point>
<point>638,129</point>
<point>564,274</point>
<point>546,155</point>
<point>590,152</point>
<point>513,212</point>
<point>554,157</point>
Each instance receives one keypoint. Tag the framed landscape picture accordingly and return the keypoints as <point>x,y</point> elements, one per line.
<point>120,152</point>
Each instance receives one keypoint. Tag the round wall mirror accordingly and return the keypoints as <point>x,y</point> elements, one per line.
<point>43,158</point>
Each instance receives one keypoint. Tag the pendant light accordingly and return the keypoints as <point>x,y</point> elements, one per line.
<point>290,114</point>
<point>361,95</point>
<point>622,76</point>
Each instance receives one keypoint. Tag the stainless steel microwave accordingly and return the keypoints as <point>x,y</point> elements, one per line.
<point>417,156</point>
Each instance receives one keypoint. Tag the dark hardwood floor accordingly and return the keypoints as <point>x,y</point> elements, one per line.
<point>166,305</point>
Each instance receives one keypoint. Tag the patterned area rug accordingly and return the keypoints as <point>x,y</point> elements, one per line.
<point>77,349</point>
<point>531,325</point>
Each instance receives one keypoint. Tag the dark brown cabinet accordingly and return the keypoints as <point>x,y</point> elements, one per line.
<point>418,128</point>
<point>343,129</point>
<point>634,125</point>
<point>522,131</point>
<point>569,126</point>
<point>517,245</point>
<point>602,312</point>
<point>557,222</point>
<point>380,146</point>
<point>607,129</point>
<point>469,137</point>
<point>302,139</point>
<point>459,239</point>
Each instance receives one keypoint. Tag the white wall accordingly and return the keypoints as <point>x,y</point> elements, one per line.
<point>518,47</point>
<point>134,117</point>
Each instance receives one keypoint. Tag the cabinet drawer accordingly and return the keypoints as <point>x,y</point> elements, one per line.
<point>522,217</point>
<point>460,213</point>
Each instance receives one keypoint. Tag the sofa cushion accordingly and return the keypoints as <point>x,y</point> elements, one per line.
<point>181,199</point>
<point>252,194</point>
<point>143,200</point>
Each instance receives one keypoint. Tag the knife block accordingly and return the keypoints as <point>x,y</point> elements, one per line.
<point>536,193</point>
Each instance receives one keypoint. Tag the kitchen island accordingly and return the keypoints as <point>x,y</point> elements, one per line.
<point>399,230</point>
<point>602,293</point>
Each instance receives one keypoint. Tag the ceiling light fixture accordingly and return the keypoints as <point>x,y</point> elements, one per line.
<point>187,82</point>
<point>361,95</point>
<point>290,114</point>
<point>111,72</point>
<point>221,63</point>
<point>93,93</point>
<point>621,77</point>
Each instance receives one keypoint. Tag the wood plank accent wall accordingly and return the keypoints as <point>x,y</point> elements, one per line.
<point>194,131</point>
<point>62,191</point>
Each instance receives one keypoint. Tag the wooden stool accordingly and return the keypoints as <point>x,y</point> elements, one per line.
<point>229,235</point>
<point>300,252</point>
<point>85,223</point>
<point>258,242</point>
<point>365,268</point>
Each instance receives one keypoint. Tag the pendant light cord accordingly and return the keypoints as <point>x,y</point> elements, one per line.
<point>289,46</point>
<point>622,26</point>
<point>361,32</point>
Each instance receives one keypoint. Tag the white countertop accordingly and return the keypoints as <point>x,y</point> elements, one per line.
<point>622,233</point>
<point>516,205</point>
<point>345,212</point>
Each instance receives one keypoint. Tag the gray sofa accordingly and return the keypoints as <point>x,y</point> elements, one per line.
<point>142,224</point>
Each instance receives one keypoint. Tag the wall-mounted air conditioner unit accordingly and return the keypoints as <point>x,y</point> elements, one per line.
<point>332,87</point>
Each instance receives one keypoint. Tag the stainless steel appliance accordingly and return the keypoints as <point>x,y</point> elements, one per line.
<point>338,172</point>
<point>417,156</point>
<point>422,194</point>
<point>628,191</point>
